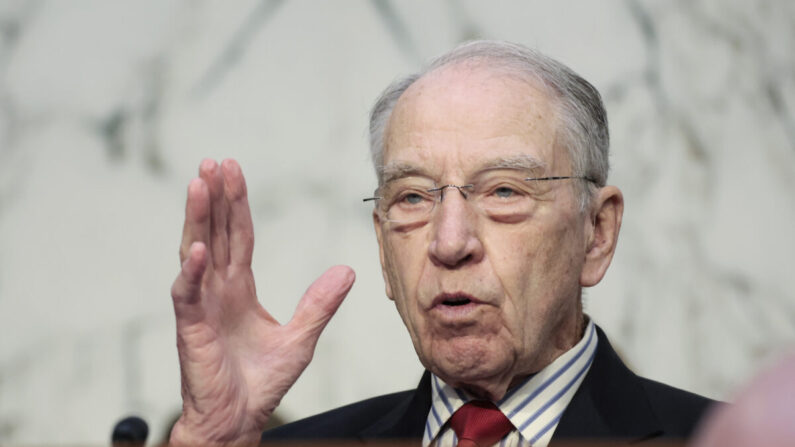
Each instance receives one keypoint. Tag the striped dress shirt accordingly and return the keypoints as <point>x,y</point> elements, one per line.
<point>534,407</point>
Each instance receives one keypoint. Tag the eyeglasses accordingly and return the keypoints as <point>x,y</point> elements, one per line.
<point>500,194</point>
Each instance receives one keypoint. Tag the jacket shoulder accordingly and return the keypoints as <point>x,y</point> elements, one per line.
<point>345,422</point>
<point>679,411</point>
<point>614,403</point>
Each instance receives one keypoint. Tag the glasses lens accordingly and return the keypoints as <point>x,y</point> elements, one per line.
<point>501,194</point>
<point>505,193</point>
<point>407,200</point>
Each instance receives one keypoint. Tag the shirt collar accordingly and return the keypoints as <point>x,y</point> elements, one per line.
<point>535,406</point>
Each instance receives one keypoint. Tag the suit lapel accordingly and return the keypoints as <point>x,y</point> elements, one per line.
<point>407,419</point>
<point>610,403</point>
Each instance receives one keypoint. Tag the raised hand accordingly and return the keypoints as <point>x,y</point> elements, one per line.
<point>236,360</point>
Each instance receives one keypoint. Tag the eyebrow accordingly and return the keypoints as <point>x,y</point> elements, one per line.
<point>524,162</point>
<point>396,170</point>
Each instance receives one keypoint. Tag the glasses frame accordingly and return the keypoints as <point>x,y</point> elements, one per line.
<point>458,187</point>
<point>461,188</point>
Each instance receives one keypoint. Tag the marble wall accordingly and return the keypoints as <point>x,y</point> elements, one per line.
<point>107,107</point>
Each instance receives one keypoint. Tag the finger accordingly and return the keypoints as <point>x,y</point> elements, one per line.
<point>321,300</point>
<point>210,172</point>
<point>186,289</point>
<point>197,217</point>
<point>241,229</point>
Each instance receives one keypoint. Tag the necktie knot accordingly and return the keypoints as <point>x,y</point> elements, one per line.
<point>479,423</point>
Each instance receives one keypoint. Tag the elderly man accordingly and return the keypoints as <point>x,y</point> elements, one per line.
<point>492,212</point>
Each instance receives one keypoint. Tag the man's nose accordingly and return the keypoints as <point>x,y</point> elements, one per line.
<point>455,240</point>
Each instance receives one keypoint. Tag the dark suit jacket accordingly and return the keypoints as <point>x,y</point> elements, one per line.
<point>611,403</point>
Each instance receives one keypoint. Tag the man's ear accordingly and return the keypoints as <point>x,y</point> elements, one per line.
<point>380,235</point>
<point>602,226</point>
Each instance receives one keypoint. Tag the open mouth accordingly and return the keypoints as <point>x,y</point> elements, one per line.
<point>456,301</point>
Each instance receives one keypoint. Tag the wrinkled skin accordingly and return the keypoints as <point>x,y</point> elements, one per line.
<point>236,360</point>
<point>520,279</point>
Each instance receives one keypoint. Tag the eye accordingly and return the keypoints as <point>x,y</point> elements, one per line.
<point>504,192</point>
<point>412,198</point>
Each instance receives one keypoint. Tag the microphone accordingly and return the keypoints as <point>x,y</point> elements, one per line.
<point>130,432</point>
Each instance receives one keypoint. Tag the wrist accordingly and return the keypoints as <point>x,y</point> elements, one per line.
<point>188,435</point>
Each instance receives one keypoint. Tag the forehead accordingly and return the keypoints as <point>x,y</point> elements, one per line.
<point>458,118</point>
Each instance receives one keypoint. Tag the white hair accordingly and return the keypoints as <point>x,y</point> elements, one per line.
<point>581,113</point>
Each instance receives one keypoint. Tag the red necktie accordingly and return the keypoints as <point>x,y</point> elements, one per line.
<point>479,424</point>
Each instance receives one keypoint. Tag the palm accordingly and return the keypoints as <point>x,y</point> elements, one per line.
<point>237,361</point>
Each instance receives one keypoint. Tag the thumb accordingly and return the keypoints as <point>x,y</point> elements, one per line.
<point>321,300</point>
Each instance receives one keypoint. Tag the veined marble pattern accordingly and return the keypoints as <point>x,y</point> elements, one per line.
<point>107,107</point>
